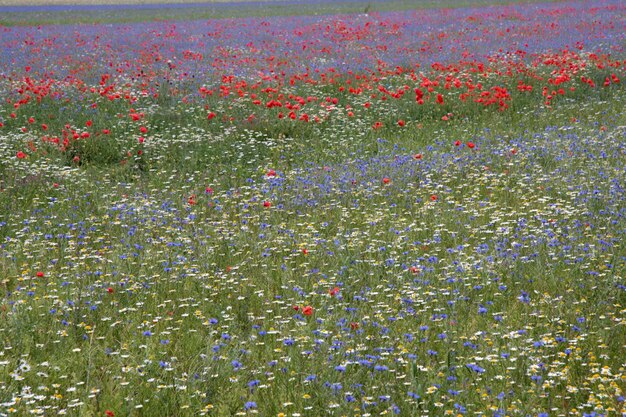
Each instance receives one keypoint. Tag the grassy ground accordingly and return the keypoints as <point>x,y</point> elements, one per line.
<point>215,10</point>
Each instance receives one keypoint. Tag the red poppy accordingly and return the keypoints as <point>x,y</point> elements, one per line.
<point>21,155</point>
<point>401,123</point>
<point>354,325</point>
<point>143,129</point>
<point>307,311</point>
<point>211,115</point>
<point>471,145</point>
<point>457,143</point>
<point>271,173</point>
<point>109,413</point>
<point>110,290</point>
<point>386,180</point>
<point>39,274</point>
<point>433,197</point>
<point>333,291</point>
<point>417,156</point>
<point>267,204</point>
<point>439,99</point>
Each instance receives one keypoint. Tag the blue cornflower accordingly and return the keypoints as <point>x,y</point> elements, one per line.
<point>475,368</point>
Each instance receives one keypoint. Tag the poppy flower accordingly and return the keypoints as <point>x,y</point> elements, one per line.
<point>439,99</point>
<point>307,311</point>
<point>39,274</point>
<point>386,180</point>
<point>433,197</point>
<point>471,145</point>
<point>401,123</point>
<point>211,115</point>
<point>21,155</point>
<point>271,173</point>
<point>333,291</point>
<point>143,129</point>
<point>354,325</point>
<point>457,143</point>
<point>417,156</point>
<point>110,290</point>
<point>109,413</point>
<point>267,204</point>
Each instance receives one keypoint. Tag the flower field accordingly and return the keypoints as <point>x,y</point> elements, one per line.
<point>416,213</point>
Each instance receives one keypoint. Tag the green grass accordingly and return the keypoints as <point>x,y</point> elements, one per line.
<point>176,303</point>
<point>223,11</point>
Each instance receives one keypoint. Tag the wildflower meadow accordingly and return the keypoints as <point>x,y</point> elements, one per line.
<point>324,209</point>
